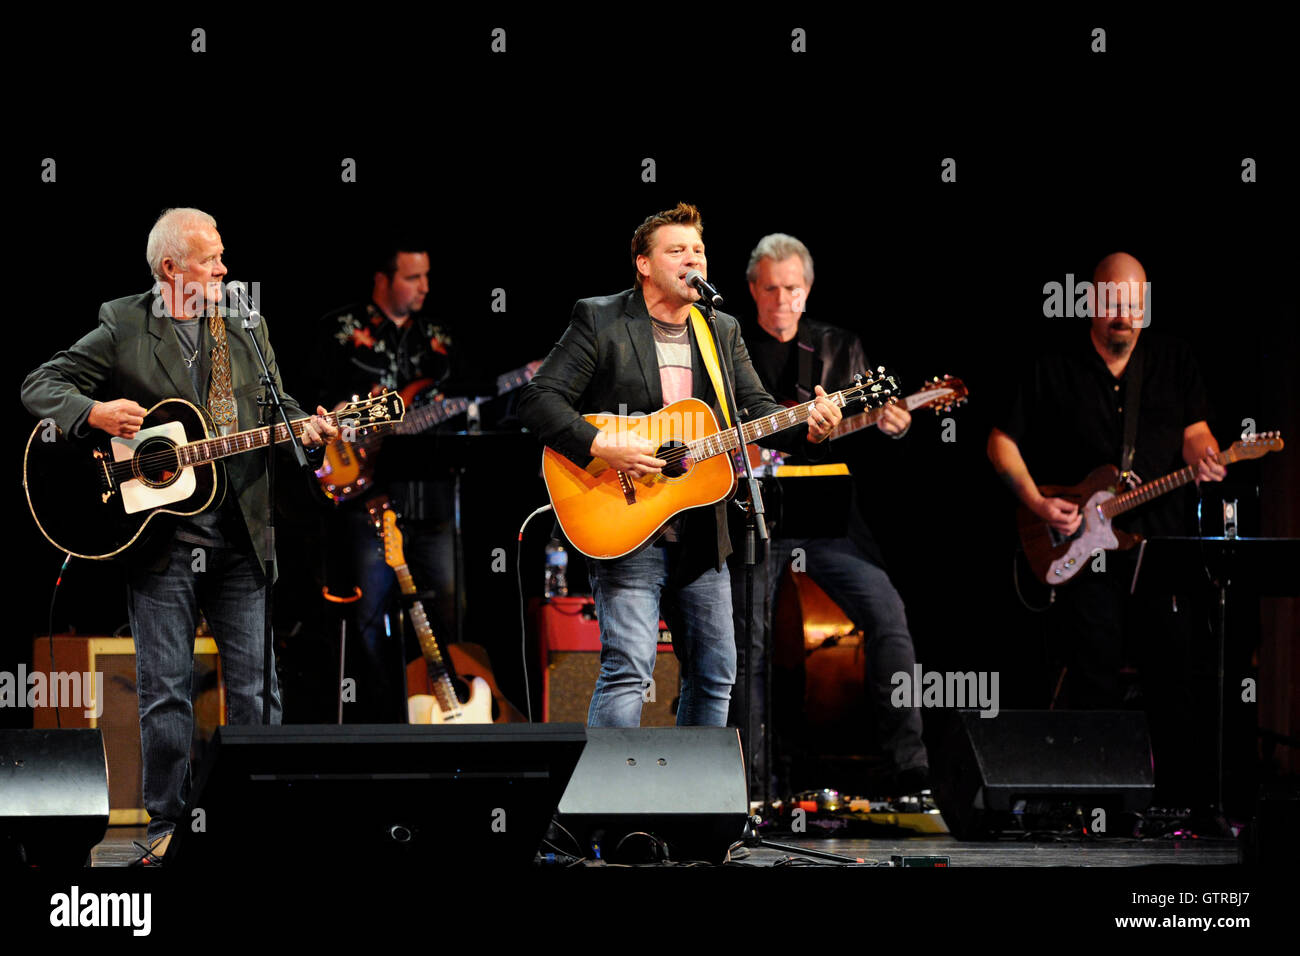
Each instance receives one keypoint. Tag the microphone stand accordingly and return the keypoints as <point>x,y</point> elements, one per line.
<point>277,403</point>
<point>755,530</point>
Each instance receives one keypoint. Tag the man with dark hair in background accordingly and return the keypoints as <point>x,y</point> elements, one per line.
<point>637,350</point>
<point>364,348</point>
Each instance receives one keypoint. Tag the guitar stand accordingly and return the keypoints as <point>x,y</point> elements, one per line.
<point>343,635</point>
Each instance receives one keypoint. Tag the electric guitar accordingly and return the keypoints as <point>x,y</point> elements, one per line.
<point>941,395</point>
<point>1056,558</point>
<point>606,514</point>
<point>442,706</point>
<point>349,466</point>
<point>94,497</point>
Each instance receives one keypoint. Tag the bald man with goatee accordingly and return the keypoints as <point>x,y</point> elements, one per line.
<point>1068,418</point>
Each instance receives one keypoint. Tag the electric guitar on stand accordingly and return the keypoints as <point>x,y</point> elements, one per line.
<point>442,706</point>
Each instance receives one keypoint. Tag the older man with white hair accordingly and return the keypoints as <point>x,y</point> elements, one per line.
<point>175,342</point>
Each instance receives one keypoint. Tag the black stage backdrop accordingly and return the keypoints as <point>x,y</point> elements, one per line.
<point>525,172</point>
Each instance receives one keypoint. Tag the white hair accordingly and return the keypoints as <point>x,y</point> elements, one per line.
<point>779,246</point>
<point>169,237</point>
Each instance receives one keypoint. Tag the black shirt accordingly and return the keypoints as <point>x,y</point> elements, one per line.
<point>1067,419</point>
<point>829,352</point>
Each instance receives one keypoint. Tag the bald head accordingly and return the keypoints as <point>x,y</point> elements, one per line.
<point>1119,267</point>
<point>1118,301</point>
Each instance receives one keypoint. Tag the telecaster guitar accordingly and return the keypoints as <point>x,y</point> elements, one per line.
<point>607,514</point>
<point>94,497</point>
<point>349,466</point>
<point>442,706</point>
<point>1056,558</point>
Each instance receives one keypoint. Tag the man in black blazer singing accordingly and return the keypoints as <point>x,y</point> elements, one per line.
<point>637,352</point>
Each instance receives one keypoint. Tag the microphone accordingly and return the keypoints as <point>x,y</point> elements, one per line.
<point>238,292</point>
<point>696,278</point>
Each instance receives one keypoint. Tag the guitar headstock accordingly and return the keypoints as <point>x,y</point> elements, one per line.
<point>874,390</point>
<point>393,555</point>
<point>941,394</point>
<point>377,411</point>
<point>1255,446</point>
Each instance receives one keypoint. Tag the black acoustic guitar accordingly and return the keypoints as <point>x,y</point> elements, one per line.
<point>94,497</point>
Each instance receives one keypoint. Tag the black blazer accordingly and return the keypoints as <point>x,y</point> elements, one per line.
<point>606,362</point>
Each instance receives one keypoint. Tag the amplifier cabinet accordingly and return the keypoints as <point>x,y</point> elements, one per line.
<point>119,713</point>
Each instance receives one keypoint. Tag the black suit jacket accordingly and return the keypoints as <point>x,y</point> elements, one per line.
<point>606,363</point>
<point>134,353</point>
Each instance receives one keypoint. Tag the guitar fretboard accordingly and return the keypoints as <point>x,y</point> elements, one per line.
<point>866,419</point>
<point>223,446</point>
<point>1154,489</point>
<point>443,690</point>
<point>720,443</point>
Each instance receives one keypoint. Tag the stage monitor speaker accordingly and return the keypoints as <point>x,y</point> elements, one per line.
<point>467,796</point>
<point>1029,769</point>
<point>685,786</point>
<point>53,796</point>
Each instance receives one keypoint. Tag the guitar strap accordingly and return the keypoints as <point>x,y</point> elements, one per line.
<point>1132,396</point>
<point>710,354</point>
<point>806,387</point>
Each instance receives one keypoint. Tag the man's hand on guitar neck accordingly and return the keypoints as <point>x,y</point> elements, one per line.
<point>822,417</point>
<point>627,453</point>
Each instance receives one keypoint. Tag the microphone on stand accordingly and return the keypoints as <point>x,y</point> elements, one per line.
<point>238,292</point>
<point>696,278</point>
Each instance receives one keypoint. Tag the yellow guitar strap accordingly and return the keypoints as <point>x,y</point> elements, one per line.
<point>703,336</point>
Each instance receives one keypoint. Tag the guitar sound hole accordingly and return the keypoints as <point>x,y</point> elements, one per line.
<point>155,463</point>
<point>674,452</point>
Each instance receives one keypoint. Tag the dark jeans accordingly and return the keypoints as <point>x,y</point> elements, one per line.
<point>227,587</point>
<point>1096,626</point>
<point>867,596</point>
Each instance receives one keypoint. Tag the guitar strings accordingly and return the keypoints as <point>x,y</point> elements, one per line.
<point>172,453</point>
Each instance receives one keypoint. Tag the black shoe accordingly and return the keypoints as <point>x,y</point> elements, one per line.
<point>914,781</point>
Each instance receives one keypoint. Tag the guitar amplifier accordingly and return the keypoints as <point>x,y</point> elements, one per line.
<point>570,647</point>
<point>113,707</point>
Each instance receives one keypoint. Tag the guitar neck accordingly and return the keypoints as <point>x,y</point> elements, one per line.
<point>1154,489</point>
<point>443,690</point>
<point>723,442</point>
<point>427,416</point>
<point>223,446</point>
<point>866,419</point>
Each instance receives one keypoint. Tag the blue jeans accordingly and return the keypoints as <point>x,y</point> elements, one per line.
<point>865,594</point>
<point>628,593</point>
<point>227,586</point>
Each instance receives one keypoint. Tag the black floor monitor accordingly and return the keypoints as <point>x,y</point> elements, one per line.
<point>474,795</point>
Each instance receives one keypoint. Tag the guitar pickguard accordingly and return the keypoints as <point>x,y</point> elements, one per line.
<point>138,495</point>
<point>1094,534</point>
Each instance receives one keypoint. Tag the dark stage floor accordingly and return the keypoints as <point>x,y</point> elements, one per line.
<point>117,850</point>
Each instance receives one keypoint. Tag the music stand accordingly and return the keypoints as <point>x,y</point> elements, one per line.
<point>1266,566</point>
<point>410,458</point>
